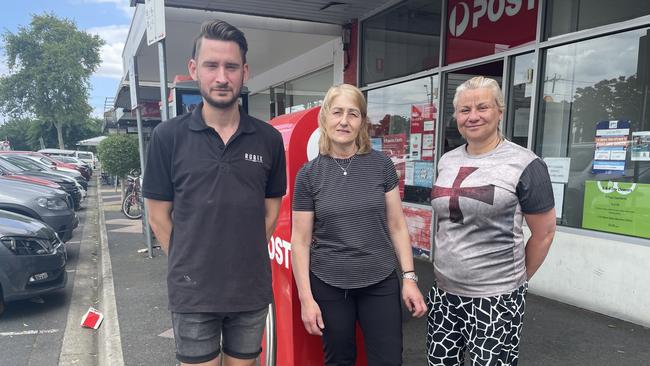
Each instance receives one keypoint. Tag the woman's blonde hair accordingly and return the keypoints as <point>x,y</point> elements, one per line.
<point>363,139</point>
<point>479,82</point>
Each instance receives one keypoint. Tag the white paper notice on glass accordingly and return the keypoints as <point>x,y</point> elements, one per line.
<point>429,125</point>
<point>408,173</point>
<point>558,169</point>
<point>558,195</point>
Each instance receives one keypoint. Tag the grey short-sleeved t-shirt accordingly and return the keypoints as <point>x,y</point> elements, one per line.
<point>351,246</point>
<point>480,201</point>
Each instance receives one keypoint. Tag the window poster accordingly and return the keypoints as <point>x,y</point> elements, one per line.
<point>640,150</point>
<point>617,207</point>
<point>419,222</point>
<point>376,143</point>
<point>394,146</point>
<point>415,146</point>
<point>611,147</point>
<point>408,173</point>
<point>423,174</point>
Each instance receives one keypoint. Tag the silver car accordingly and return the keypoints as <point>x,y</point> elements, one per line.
<point>50,205</point>
<point>32,258</point>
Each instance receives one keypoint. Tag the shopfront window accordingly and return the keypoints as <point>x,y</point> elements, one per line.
<point>308,91</point>
<point>594,132</point>
<point>259,105</point>
<point>401,41</point>
<point>519,99</point>
<point>403,120</point>
<point>403,126</point>
<point>451,137</point>
<point>566,16</point>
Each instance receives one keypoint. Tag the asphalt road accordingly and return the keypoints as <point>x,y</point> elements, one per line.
<point>32,331</point>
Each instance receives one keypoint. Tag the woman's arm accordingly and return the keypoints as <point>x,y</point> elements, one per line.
<point>542,230</point>
<point>302,226</point>
<point>399,235</point>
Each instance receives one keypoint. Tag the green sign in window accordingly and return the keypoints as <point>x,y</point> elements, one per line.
<point>617,207</point>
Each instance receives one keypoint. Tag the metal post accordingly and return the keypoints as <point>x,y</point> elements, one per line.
<point>138,113</point>
<point>162,64</point>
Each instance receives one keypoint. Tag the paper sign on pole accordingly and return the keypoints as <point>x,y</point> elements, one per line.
<point>154,14</point>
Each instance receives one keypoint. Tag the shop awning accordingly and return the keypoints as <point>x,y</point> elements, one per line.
<point>92,141</point>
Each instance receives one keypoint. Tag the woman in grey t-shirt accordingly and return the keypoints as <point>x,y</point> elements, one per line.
<point>483,192</point>
<point>349,234</point>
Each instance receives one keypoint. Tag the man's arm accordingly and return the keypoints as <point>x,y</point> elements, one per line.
<point>160,219</point>
<point>272,207</point>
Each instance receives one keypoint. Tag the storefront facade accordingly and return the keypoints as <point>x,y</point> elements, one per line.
<point>576,79</point>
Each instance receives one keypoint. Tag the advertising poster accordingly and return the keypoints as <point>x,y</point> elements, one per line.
<point>428,145</point>
<point>640,150</point>
<point>418,221</point>
<point>617,207</point>
<point>423,174</point>
<point>409,167</point>
<point>417,120</point>
<point>415,143</point>
<point>558,169</point>
<point>394,146</point>
<point>611,147</point>
<point>376,143</point>
<point>558,197</point>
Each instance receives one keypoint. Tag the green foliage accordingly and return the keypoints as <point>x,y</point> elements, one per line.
<point>24,133</point>
<point>50,63</point>
<point>119,154</point>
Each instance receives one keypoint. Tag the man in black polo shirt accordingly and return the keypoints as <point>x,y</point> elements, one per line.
<point>213,186</point>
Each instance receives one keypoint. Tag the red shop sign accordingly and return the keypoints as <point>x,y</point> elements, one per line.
<point>484,27</point>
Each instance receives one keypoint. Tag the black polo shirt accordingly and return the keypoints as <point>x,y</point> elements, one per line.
<point>218,258</point>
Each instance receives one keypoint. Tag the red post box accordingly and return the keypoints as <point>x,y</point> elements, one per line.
<point>292,345</point>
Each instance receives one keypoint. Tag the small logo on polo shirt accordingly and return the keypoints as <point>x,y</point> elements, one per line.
<point>254,158</point>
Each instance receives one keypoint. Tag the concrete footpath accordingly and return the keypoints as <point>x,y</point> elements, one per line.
<point>554,333</point>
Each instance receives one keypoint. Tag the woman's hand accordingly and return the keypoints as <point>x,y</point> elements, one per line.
<point>413,298</point>
<point>311,317</point>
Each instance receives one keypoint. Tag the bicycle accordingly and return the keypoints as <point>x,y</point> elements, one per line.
<point>132,205</point>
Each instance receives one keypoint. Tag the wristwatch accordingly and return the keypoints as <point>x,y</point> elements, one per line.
<point>410,276</point>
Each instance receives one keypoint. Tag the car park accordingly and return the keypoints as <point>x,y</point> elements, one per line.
<point>32,258</point>
<point>69,185</point>
<point>51,205</point>
<point>83,167</point>
<point>44,163</point>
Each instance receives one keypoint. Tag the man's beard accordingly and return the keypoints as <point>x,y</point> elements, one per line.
<point>219,103</point>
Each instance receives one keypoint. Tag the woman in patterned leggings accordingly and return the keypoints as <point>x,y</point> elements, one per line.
<point>483,192</point>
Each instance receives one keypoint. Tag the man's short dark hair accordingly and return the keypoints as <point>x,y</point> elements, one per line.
<point>220,31</point>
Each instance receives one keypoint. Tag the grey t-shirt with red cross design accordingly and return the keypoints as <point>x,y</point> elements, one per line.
<point>480,201</point>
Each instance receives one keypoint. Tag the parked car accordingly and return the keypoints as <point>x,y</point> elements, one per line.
<point>32,258</point>
<point>50,205</point>
<point>83,167</point>
<point>45,160</point>
<point>85,156</point>
<point>44,163</point>
<point>69,185</point>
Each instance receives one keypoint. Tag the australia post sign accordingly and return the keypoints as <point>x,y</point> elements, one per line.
<point>478,28</point>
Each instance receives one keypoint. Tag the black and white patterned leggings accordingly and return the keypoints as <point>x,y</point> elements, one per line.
<point>488,327</point>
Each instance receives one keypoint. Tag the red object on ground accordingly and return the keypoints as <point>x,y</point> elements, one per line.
<point>92,319</point>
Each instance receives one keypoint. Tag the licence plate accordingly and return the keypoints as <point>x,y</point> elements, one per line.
<point>40,276</point>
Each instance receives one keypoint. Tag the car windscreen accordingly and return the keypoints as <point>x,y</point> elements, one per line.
<point>9,166</point>
<point>84,156</point>
<point>28,162</point>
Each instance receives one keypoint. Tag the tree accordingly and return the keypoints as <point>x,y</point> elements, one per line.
<point>119,154</point>
<point>25,134</point>
<point>50,63</point>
